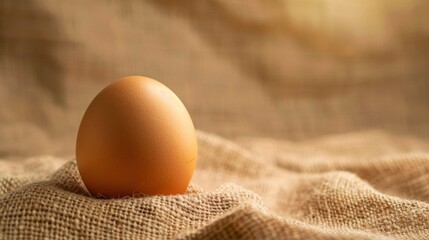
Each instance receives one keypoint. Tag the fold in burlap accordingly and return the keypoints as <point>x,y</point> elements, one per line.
<point>366,185</point>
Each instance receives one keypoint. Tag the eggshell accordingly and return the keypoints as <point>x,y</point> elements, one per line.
<point>136,138</point>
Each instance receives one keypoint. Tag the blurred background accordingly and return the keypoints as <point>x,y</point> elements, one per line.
<point>288,69</point>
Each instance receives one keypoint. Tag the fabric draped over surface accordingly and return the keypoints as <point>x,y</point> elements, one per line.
<point>368,185</point>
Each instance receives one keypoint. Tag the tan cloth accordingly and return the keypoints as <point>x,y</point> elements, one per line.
<point>278,69</point>
<point>270,68</point>
<point>368,185</point>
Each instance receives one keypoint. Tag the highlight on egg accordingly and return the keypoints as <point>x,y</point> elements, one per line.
<point>136,138</point>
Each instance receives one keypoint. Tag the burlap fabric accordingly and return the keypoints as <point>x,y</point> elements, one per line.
<point>367,185</point>
<point>268,68</point>
<point>278,69</point>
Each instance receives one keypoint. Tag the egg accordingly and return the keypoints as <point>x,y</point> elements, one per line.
<point>136,138</point>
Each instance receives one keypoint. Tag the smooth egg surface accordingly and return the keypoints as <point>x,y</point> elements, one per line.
<point>136,138</point>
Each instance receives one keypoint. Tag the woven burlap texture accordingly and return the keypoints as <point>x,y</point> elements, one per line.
<point>280,68</point>
<point>367,185</point>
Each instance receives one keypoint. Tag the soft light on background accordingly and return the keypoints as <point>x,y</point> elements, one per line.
<point>284,69</point>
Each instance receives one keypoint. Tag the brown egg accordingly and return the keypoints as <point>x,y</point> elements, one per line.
<point>136,137</point>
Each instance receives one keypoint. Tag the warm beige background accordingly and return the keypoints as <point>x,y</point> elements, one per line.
<point>284,69</point>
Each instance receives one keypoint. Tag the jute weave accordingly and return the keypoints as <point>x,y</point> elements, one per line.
<point>367,185</point>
